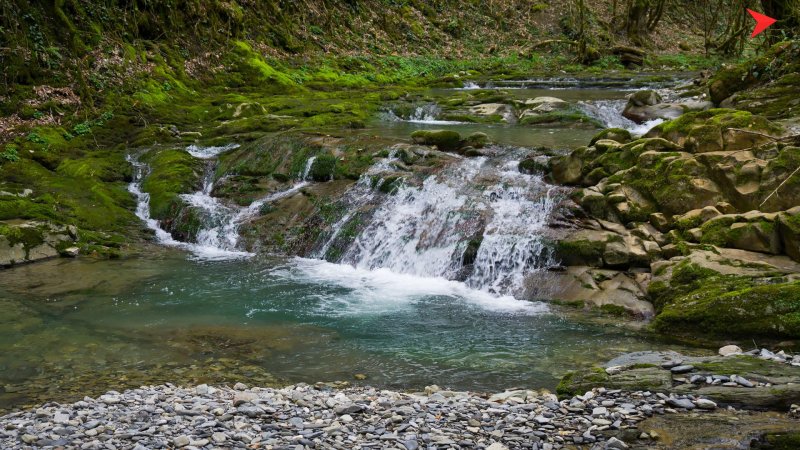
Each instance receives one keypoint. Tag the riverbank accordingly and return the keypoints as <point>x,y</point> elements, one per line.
<point>304,416</point>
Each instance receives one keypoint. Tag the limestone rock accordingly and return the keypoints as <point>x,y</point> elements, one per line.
<point>729,350</point>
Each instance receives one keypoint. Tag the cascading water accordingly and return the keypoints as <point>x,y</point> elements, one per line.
<point>218,237</point>
<point>609,113</point>
<point>425,230</point>
<point>143,202</point>
<point>428,113</point>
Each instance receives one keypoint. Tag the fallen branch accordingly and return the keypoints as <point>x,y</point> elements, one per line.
<point>776,139</point>
<point>553,41</point>
<point>779,186</point>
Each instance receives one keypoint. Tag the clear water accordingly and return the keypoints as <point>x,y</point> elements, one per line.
<point>90,326</point>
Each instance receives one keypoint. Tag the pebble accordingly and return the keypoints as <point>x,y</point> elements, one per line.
<point>682,368</point>
<point>729,350</point>
<point>304,416</point>
<point>703,403</point>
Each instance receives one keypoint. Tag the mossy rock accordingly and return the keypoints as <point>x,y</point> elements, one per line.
<point>531,166</point>
<point>716,130</point>
<point>172,172</point>
<point>615,134</point>
<point>731,306</point>
<point>445,140</point>
<point>323,167</point>
<point>652,379</point>
<point>476,140</point>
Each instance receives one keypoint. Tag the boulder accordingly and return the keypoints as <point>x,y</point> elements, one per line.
<point>716,130</point>
<point>604,289</point>
<point>11,254</point>
<point>642,114</point>
<point>615,134</point>
<point>789,231</point>
<point>729,350</point>
<point>567,169</point>
<point>444,140</point>
<point>498,110</point>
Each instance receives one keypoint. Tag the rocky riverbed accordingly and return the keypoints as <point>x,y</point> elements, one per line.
<point>321,416</point>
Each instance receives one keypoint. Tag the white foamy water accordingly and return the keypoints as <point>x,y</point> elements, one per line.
<point>162,236</point>
<point>425,114</point>
<point>469,86</point>
<point>379,291</point>
<point>609,113</point>
<point>424,230</point>
<point>209,152</point>
<point>218,237</point>
<point>512,245</point>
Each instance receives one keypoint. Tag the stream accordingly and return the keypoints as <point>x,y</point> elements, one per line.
<point>395,305</point>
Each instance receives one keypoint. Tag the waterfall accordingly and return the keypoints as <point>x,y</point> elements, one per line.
<point>143,202</point>
<point>425,230</point>
<point>427,114</point>
<point>218,237</point>
<point>609,113</point>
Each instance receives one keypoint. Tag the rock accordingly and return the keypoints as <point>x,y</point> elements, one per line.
<point>110,399</point>
<point>729,350</point>
<point>643,114</point>
<point>240,386</point>
<point>490,109</point>
<point>615,134</point>
<point>71,252</point>
<point>349,409</point>
<point>660,222</point>
<point>645,97</point>
<point>703,403</point>
<point>11,254</point>
<point>181,441</point>
<point>682,369</point>
<point>680,403</point>
<point>615,443</point>
<point>476,140</point>
<point>218,437</point>
<point>444,140</point>
<point>497,446</point>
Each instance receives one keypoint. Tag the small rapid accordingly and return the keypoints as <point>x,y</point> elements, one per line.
<point>609,113</point>
<point>478,220</point>
<point>218,237</point>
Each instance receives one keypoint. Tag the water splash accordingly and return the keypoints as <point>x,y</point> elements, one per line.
<point>469,86</point>
<point>218,237</point>
<point>609,113</point>
<point>353,291</point>
<point>425,230</point>
<point>424,114</point>
<point>209,152</point>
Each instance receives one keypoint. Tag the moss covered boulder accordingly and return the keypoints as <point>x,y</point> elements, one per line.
<point>727,294</point>
<point>717,130</point>
<point>444,140</point>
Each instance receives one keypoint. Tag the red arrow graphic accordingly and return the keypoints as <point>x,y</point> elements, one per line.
<point>762,22</point>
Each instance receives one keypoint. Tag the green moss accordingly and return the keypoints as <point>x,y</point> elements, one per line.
<point>615,134</point>
<point>733,306</point>
<point>565,388</point>
<point>323,167</point>
<point>172,172</point>
<point>532,166</point>
<point>561,117</point>
<point>445,140</point>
